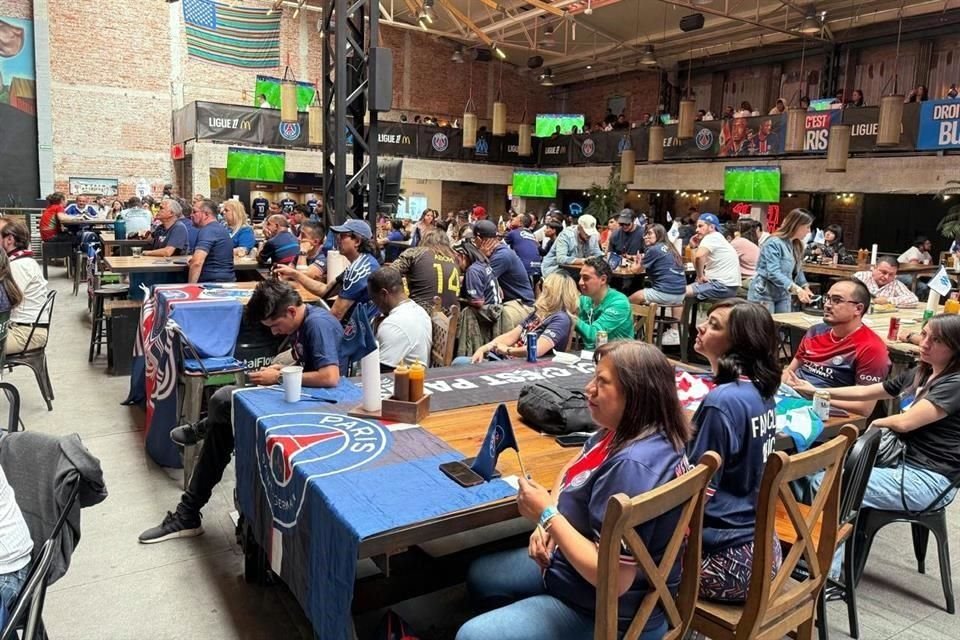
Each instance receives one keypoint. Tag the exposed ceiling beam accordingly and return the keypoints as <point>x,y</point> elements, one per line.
<point>467,21</point>
<point>733,16</point>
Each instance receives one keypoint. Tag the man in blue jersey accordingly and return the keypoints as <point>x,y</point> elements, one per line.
<point>170,238</point>
<point>510,273</point>
<point>81,207</point>
<point>212,260</point>
<point>524,244</point>
<point>281,247</point>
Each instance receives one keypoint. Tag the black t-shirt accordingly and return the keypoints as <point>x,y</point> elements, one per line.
<point>287,205</point>
<point>429,275</point>
<point>936,446</point>
<point>629,244</point>
<point>259,209</point>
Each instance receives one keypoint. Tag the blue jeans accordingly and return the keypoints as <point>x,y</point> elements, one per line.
<point>920,487</point>
<point>513,582</point>
<point>10,585</point>
<point>781,305</point>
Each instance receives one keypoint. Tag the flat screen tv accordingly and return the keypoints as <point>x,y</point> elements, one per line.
<point>752,184</point>
<point>253,164</point>
<point>547,123</point>
<point>535,184</point>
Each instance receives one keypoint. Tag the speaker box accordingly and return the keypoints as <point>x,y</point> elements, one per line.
<point>381,79</point>
<point>691,22</point>
<point>535,62</point>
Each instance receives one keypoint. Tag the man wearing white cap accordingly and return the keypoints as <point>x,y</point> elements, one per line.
<point>573,245</point>
<point>718,267</point>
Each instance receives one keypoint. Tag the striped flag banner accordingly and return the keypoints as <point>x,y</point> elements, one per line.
<point>236,36</point>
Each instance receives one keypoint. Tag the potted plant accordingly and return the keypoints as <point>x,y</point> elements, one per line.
<point>606,201</point>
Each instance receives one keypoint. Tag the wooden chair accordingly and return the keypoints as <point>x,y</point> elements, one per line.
<point>623,516</point>
<point>444,333</point>
<point>779,604</point>
<point>644,317</point>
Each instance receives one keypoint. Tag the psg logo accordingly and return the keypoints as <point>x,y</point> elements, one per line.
<point>290,130</point>
<point>704,139</point>
<point>307,446</point>
<point>440,142</point>
<point>587,148</point>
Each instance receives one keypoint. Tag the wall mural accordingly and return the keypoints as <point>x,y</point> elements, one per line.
<point>19,175</point>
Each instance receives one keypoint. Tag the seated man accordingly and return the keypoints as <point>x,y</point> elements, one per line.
<point>918,253</point>
<point>882,283</point>
<point>311,248</point>
<point>212,259</point>
<point>137,219</point>
<point>627,240</point>
<point>81,207</point>
<point>171,238</point>
<point>510,273</point>
<point>15,550</point>
<point>524,244</point>
<point>316,338</point>
<point>601,307</point>
<point>717,263</point>
<point>281,247</point>
<point>841,351</point>
<point>28,275</point>
<point>572,245</point>
<point>406,332</point>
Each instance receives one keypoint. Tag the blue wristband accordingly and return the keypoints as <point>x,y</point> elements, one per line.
<point>547,515</point>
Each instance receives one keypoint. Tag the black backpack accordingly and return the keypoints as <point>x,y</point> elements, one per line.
<point>554,410</point>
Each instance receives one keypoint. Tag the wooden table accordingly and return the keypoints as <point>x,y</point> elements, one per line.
<point>125,244</point>
<point>146,264</point>
<point>847,270</point>
<point>879,322</point>
<point>80,221</point>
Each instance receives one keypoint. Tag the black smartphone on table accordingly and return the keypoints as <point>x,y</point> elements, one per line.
<point>461,474</point>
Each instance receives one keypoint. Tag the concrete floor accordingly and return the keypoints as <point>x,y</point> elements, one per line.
<point>119,589</point>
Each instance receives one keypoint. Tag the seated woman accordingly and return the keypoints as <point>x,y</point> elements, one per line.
<point>928,425</point>
<point>663,267</point>
<point>10,294</point>
<point>831,246</point>
<point>240,231</point>
<point>736,419</point>
<point>481,296</point>
<point>552,319</point>
<point>15,550</point>
<point>548,590</point>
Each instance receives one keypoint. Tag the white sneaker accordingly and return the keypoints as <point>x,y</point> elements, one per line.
<point>671,338</point>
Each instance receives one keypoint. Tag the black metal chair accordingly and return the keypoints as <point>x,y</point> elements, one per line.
<point>36,357</point>
<point>27,610</point>
<point>922,523</point>
<point>14,423</point>
<point>856,473</point>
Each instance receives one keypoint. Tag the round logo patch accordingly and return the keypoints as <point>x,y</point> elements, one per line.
<point>290,130</point>
<point>836,361</point>
<point>588,148</point>
<point>579,479</point>
<point>440,142</point>
<point>704,139</point>
<point>306,446</point>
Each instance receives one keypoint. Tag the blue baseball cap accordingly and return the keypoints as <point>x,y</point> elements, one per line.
<point>709,218</point>
<point>358,227</point>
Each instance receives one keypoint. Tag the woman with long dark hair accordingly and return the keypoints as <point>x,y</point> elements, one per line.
<point>780,266</point>
<point>548,590</point>
<point>663,267</point>
<point>737,420</point>
<point>832,244</point>
<point>10,294</point>
<point>427,223</point>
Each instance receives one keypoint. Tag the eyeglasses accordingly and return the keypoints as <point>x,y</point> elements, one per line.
<point>834,300</point>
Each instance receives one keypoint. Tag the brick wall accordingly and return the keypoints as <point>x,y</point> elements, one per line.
<point>848,213</point>
<point>640,88</point>
<point>16,8</point>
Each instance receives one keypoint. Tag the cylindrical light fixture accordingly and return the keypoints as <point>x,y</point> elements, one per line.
<point>796,130</point>
<point>628,165</point>
<point>891,121</point>
<point>655,148</point>
<point>315,124</point>
<point>687,117</point>
<point>838,148</point>
<point>525,143</point>
<point>469,130</point>
<point>288,97</point>
<point>499,118</point>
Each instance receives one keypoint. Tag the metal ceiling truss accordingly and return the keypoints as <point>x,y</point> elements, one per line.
<point>348,27</point>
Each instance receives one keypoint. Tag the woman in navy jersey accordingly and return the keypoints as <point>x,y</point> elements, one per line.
<point>548,590</point>
<point>736,419</point>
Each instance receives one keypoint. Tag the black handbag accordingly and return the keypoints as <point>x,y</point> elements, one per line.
<point>554,410</point>
<point>891,450</point>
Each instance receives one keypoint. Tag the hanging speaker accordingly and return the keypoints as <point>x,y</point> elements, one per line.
<point>535,62</point>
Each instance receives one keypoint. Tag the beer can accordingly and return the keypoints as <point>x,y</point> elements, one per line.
<point>927,314</point>
<point>531,347</point>
<point>601,338</point>
<point>894,329</point>
<point>821,404</point>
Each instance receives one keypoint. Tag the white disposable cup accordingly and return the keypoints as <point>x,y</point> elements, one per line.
<point>292,377</point>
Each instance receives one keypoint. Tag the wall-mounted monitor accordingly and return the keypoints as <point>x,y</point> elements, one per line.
<point>547,123</point>
<point>752,184</point>
<point>255,164</point>
<point>535,184</point>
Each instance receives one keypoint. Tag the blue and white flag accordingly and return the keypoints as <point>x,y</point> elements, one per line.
<point>818,237</point>
<point>941,282</point>
<point>499,437</point>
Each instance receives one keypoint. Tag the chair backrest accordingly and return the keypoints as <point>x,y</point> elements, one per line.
<point>4,330</point>
<point>623,515</point>
<point>46,312</point>
<point>13,412</point>
<point>28,607</point>
<point>644,316</point>
<point>856,473</point>
<point>444,335</point>
<point>211,327</point>
<point>778,600</point>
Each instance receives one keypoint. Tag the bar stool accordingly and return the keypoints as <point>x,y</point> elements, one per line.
<point>663,322</point>
<point>98,328</point>
<point>691,306</point>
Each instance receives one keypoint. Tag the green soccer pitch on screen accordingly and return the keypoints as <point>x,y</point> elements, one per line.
<point>535,184</point>
<point>547,123</point>
<point>247,164</point>
<point>752,184</point>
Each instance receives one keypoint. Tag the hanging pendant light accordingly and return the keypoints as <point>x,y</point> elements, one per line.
<point>687,118</point>
<point>315,121</point>
<point>500,109</point>
<point>838,148</point>
<point>796,130</point>
<point>655,148</point>
<point>628,161</point>
<point>525,141</point>
<point>470,118</point>
<point>288,97</point>
<point>891,107</point>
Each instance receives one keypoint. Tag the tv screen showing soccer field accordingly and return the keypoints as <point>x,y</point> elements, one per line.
<point>752,184</point>
<point>249,164</point>
<point>535,184</point>
<point>547,123</point>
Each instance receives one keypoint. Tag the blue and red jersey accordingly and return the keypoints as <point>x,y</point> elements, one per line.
<point>828,361</point>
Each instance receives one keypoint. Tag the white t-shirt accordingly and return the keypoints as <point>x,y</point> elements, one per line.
<point>405,334</point>
<point>913,253</point>
<point>137,220</point>
<point>722,263</point>
<point>15,541</point>
<point>29,277</point>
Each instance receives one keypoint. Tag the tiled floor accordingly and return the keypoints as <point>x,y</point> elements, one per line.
<point>119,589</point>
